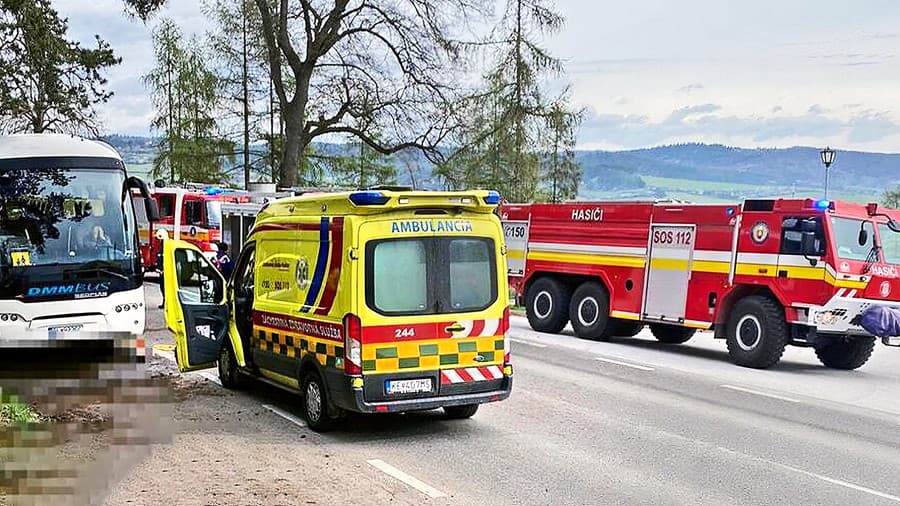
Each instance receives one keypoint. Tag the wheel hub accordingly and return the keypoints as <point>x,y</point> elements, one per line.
<point>749,332</point>
<point>588,311</point>
<point>543,305</point>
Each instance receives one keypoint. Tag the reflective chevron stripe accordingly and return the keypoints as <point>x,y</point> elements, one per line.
<point>471,374</point>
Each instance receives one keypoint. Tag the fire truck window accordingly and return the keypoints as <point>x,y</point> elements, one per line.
<point>792,233</point>
<point>214,214</point>
<point>166,206</point>
<point>890,242</point>
<point>846,238</point>
<point>193,213</point>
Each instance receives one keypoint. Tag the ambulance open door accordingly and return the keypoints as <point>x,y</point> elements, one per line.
<point>668,272</point>
<point>195,305</point>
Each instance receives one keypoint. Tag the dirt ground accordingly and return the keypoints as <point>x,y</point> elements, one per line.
<point>147,435</point>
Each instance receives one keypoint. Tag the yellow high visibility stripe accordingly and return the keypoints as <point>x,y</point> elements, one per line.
<point>515,254</point>
<point>624,315</point>
<point>669,264</point>
<point>845,283</point>
<point>579,258</point>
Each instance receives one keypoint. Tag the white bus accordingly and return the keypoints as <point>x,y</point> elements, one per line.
<point>70,261</point>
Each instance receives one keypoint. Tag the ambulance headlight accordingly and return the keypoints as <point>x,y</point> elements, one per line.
<point>492,198</point>
<point>369,198</point>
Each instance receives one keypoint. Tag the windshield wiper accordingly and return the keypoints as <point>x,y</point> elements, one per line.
<point>871,258</point>
<point>99,269</point>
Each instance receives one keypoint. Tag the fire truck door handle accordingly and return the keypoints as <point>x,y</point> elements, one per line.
<point>782,274</point>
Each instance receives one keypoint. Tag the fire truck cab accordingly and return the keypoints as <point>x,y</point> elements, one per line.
<point>190,214</point>
<point>762,275</point>
<point>369,301</point>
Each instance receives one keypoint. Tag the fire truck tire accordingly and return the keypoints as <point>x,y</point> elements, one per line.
<point>315,404</point>
<point>228,368</point>
<point>845,353</point>
<point>625,328</point>
<point>460,412</point>
<point>589,312</point>
<point>671,334</point>
<point>547,305</point>
<point>757,332</point>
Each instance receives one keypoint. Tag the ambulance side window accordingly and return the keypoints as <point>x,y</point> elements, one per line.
<point>792,230</point>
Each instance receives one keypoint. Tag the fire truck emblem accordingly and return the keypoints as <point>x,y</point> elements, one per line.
<point>885,288</point>
<point>845,267</point>
<point>760,232</point>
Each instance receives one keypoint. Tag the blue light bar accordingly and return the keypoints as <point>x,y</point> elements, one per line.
<point>492,198</point>
<point>822,204</point>
<point>212,191</point>
<point>369,198</point>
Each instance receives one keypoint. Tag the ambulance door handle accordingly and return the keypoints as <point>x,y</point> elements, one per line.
<point>454,328</point>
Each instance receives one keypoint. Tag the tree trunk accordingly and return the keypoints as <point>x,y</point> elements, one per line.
<point>293,145</point>
<point>246,85</point>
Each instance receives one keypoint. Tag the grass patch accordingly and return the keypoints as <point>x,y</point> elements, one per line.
<point>13,412</point>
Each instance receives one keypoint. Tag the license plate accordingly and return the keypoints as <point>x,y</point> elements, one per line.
<point>407,386</point>
<point>64,331</point>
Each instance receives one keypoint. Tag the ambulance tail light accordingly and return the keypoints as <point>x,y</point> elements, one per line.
<point>352,344</point>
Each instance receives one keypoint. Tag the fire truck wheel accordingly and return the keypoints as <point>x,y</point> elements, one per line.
<point>757,333</point>
<point>547,305</point>
<point>846,353</point>
<point>460,412</point>
<point>625,328</point>
<point>315,404</point>
<point>589,312</point>
<point>671,334</point>
<point>228,368</point>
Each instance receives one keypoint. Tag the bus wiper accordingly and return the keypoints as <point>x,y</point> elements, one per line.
<point>101,270</point>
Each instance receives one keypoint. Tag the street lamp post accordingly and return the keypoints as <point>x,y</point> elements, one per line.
<point>827,155</point>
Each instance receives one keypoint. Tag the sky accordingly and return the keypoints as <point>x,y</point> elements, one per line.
<point>765,73</point>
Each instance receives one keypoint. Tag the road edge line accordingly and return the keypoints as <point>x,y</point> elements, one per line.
<point>761,394</point>
<point>412,481</point>
<point>284,414</point>
<point>625,364</point>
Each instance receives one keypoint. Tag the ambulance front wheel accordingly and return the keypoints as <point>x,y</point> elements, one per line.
<point>757,332</point>
<point>460,412</point>
<point>228,368</point>
<point>547,305</point>
<point>589,312</point>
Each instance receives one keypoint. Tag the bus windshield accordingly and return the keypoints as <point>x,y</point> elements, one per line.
<point>52,216</point>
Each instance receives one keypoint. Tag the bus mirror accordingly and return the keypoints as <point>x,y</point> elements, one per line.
<point>863,238</point>
<point>152,210</point>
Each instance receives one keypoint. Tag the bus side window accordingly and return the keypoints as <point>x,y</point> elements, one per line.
<point>792,230</point>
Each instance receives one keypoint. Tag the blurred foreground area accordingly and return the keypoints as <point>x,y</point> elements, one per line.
<point>75,418</point>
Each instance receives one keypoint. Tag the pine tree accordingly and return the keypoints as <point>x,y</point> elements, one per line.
<point>47,82</point>
<point>561,173</point>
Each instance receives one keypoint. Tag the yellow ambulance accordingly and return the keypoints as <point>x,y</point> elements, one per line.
<point>369,301</point>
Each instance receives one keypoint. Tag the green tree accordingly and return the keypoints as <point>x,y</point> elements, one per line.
<point>504,146</point>
<point>48,82</point>
<point>185,92</point>
<point>561,174</point>
<point>367,168</point>
<point>891,198</point>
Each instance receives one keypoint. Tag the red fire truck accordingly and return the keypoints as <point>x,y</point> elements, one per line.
<point>192,214</point>
<point>762,274</point>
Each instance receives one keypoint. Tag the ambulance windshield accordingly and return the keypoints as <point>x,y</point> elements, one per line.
<point>431,275</point>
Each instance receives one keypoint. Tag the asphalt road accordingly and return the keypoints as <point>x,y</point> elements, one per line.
<point>632,422</point>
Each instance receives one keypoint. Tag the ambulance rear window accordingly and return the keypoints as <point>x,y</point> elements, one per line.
<point>430,275</point>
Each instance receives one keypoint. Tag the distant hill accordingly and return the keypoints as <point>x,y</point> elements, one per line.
<point>698,172</point>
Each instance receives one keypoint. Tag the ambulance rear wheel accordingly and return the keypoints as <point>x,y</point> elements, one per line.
<point>315,404</point>
<point>846,353</point>
<point>671,334</point>
<point>547,305</point>
<point>757,333</point>
<point>589,312</point>
<point>460,412</point>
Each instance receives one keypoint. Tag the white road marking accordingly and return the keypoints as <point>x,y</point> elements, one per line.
<point>168,355</point>
<point>211,377</point>
<point>529,343</point>
<point>822,477</point>
<point>625,364</point>
<point>405,478</point>
<point>284,414</point>
<point>757,392</point>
